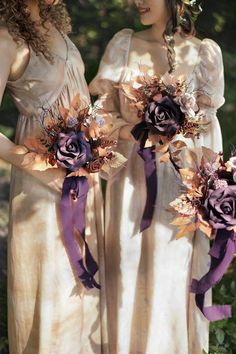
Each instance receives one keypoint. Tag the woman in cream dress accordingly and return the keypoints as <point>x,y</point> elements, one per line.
<point>49,311</point>
<point>150,308</point>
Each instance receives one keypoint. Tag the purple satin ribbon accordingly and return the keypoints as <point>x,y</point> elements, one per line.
<point>222,254</point>
<point>72,208</point>
<point>149,157</point>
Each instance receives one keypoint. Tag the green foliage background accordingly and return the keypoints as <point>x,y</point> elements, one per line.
<point>94,23</point>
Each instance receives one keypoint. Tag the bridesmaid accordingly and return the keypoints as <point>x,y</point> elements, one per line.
<point>150,309</point>
<point>49,310</point>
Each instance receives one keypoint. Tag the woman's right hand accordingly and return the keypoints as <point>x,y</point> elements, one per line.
<point>37,166</point>
<point>18,156</point>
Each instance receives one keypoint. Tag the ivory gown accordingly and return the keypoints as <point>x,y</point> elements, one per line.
<point>150,309</point>
<point>49,311</point>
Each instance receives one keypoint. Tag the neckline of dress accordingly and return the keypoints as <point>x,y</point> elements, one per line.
<point>33,55</point>
<point>166,75</point>
<point>132,32</point>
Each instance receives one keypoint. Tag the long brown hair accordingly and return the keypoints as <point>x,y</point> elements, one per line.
<point>182,16</point>
<point>14,14</point>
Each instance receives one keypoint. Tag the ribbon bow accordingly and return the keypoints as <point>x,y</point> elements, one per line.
<point>72,208</point>
<point>222,254</point>
<point>140,132</point>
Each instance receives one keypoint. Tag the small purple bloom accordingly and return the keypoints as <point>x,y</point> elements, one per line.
<point>220,207</point>
<point>164,117</point>
<point>72,151</point>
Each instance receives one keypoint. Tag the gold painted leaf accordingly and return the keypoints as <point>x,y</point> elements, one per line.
<point>64,113</point>
<point>186,230</point>
<point>81,172</point>
<point>84,112</point>
<point>179,144</point>
<point>48,121</point>
<point>94,130</point>
<point>191,157</point>
<point>209,155</point>
<point>148,143</point>
<point>72,113</point>
<point>162,148</point>
<point>129,92</point>
<point>165,157</point>
<point>175,153</point>
<point>181,220</point>
<point>139,105</point>
<point>76,102</point>
<point>206,229</point>
<point>195,193</point>
<point>187,176</point>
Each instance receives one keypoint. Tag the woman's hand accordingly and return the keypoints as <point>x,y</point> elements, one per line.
<point>32,163</point>
<point>37,165</point>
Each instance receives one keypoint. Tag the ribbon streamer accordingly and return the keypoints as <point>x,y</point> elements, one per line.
<point>140,132</point>
<point>222,254</point>
<point>149,157</point>
<point>72,208</point>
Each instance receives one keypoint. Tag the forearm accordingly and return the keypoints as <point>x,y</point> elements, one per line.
<point>8,152</point>
<point>51,177</point>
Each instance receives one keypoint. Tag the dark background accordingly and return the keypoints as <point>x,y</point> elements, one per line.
<point>94,23</point>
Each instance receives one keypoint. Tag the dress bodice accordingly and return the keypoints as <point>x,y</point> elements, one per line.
<point>204,74</point>
<point>43,83</point>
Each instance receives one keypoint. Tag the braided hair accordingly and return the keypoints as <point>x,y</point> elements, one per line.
<point>182,16</point>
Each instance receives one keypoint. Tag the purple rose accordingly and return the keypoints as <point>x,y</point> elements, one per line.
<point>164,117</point>
<point>72,151</point>
<point>220,207</point>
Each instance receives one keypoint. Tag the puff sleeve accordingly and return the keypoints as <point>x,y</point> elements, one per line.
<point>209,74</point>
<point>105,83</point>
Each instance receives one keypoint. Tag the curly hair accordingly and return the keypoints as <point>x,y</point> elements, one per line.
<point>182,16</point>
<point>15,15</point>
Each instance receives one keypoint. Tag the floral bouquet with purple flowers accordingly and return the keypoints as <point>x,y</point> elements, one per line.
<point>209,204</point>
<point>75,139</point>
<point>165,110</point>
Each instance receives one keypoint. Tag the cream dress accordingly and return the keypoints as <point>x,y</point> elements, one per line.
<point>49,311</point>
<point>150,309</point>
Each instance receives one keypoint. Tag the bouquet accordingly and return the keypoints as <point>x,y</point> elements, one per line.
<point>165,110</point>
<point>209,204</point>
<point>75,139</point>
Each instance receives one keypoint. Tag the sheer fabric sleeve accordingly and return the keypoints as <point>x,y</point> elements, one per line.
<point>105,83</point>
<point>210,89</point>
